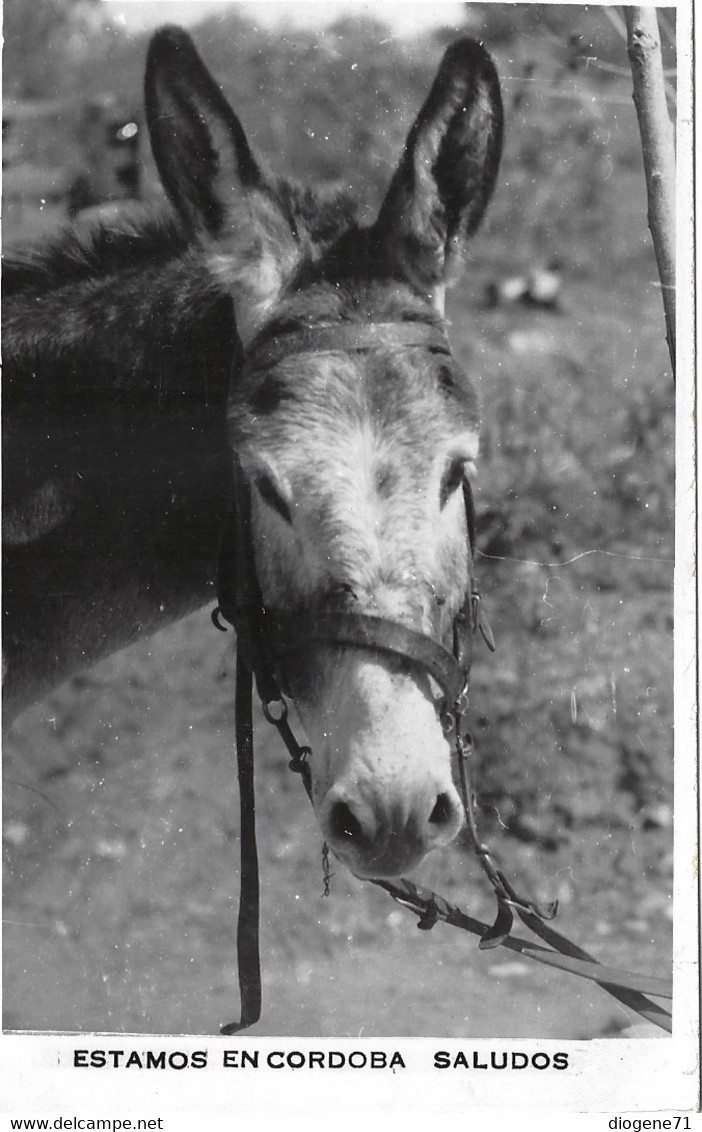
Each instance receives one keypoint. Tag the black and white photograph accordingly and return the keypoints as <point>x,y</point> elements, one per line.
<point>349,521</point>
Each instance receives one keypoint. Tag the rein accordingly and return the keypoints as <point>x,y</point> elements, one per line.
<point>264,640</point>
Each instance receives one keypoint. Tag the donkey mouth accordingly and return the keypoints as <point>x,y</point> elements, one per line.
<point>386,865</point>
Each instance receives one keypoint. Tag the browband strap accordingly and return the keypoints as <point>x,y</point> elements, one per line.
<point>350,337</point>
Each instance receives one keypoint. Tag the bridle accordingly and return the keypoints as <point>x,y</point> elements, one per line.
<point>266,639</point>
<point>270,638</point>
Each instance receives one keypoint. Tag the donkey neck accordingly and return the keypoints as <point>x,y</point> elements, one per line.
<point>116,461</point>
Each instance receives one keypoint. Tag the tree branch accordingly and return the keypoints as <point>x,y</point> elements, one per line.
<point>657,142</point>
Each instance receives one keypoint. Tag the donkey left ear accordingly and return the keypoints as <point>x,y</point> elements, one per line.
<point>447,172</point>
<point>213,179</point>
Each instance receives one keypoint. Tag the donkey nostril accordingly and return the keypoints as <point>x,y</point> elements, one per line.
<point>442,813</point>
<point>343,824</point>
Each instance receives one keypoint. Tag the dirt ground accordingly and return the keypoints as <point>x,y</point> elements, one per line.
<point>120,830</point>
<point>121,850</point>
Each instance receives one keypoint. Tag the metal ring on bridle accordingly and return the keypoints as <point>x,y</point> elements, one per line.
<point>275,716</point>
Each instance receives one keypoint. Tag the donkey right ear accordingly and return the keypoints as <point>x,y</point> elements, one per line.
<point>211,176</point>
<point>196,137</point>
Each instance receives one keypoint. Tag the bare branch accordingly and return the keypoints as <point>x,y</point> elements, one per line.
<point>658,146</point>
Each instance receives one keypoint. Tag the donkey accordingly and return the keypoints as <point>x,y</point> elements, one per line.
<point>150,361</point>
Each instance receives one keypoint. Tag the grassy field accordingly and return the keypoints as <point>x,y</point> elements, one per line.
<point>121,828</point>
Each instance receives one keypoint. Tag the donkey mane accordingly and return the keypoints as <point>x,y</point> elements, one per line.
<point>150,236</point>
<point>139,237</point>
<point>144,282</point>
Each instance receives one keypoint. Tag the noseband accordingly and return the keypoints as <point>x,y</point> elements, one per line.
<point>266,639</point>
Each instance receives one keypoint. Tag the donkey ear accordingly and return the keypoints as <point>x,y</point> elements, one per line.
<point>447,172</point>
<point>198,142</point>
<point>210,174</point>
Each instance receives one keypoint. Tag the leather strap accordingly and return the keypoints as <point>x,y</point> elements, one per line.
<point>630,989</point>
<point>351,337</point>
<point>247,932</point>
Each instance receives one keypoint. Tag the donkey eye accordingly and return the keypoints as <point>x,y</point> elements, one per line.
<point>270,494</point>
<point>451,480</point>
<point>445,380</point>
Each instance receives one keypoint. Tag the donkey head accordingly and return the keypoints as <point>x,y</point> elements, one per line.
<point>356,452</point>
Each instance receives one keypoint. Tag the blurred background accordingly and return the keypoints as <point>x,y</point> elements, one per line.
<point>120,828</point>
